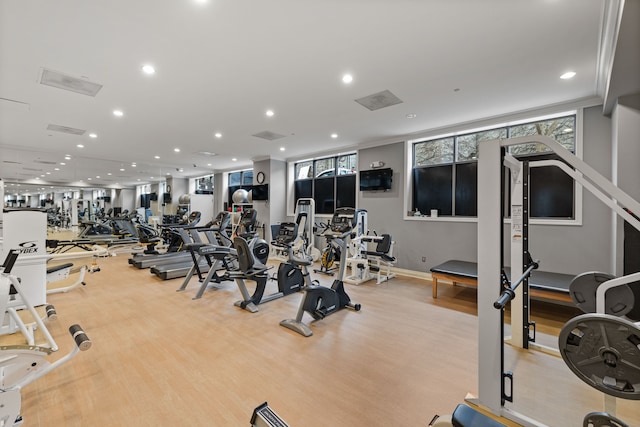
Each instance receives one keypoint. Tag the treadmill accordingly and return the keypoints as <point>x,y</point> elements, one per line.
<point>150,260</point>
<point>215,233</point>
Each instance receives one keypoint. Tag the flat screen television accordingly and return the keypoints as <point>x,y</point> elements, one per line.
<point>260,192</point>
<point>376,179</point>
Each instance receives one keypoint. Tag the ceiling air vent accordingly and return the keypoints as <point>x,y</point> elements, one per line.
<point>268,135</point>
<point>205,153</point>
<point>70,83</point>
<point>45,162</point>
<point>379,100</point>
<point>11,162</point>
<point>32,169</point>
<point>66,129</point>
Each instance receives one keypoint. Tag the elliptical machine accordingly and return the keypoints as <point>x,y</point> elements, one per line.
<point>320,301</point>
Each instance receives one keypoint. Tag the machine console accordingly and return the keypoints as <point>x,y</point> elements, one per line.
<point>287,233</point>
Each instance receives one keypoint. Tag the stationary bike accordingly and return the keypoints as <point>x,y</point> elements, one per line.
<point>320,301</point>
<point>292,275</point>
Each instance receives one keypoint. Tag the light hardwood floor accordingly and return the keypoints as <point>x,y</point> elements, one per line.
<point>160,359</point>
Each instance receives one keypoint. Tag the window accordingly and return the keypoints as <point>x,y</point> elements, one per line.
<point>242,180</point>
<point>445,173</point>
<point>330,182</point>
<point>204,185</point>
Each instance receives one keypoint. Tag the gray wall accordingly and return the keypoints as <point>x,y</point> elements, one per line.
<point>626,141</point>
<point>568,249</point>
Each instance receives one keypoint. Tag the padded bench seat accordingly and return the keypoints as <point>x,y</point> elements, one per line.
<point>543,285</point>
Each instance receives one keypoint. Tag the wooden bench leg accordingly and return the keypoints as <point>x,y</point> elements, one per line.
<point>434,287</point>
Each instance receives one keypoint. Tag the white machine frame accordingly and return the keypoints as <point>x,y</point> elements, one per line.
<point>490,225</point>
<point>362,264</point>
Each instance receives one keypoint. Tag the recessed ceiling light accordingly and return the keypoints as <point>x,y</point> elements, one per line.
<point>109,173</point>
<point>281,148</point>
<point>48,173</point>
<point>67,157</point>
<point>98,176</point>
<point>208,164</point>
<point>410,116</point>
<point>234,160</point>
<point>93,135</point>
<point>80,146</point>
<point>88,179</point>
<point>568,75</point>
<point>151,178</point>
<point>347,78</point>
<point>334,135</point>
<point>118,113</point>
<point>177,150</point>
<point>567,130</point>
<point>133,165</point>
<point>63,164</point>
<point>138,179</point>
<point>121,169</point>
<point>148,69</point>
<point>168,173</point>
<point>269,113</point>
<point>218,135</point>
<point>156,157</point>
<point>56,169</point>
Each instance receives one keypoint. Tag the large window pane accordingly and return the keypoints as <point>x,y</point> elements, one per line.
<point>346,191</point>
<point>467,145</point>
<point>323,195</point>
<point>347,164</point>
<point>562,129</point>
<point>303,189</point>
<point>467,189</point>
<point>434,152</point>
<point>433,189</point>
<point>551,191</point>
<point>235,178</point>
<point>325,167</point>
<point>247,177</point>
<point>304,170</point>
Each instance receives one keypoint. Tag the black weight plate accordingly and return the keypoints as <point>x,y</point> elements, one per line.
<point>604,352</point>
<point>619,300</point>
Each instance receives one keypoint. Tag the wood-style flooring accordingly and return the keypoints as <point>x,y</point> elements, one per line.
<point>160,358</point>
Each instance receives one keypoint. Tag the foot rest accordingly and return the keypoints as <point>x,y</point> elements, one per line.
<point>465,416</point>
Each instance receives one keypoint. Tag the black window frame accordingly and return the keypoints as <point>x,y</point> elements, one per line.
<point>330,190</point>
<point>464,200</point>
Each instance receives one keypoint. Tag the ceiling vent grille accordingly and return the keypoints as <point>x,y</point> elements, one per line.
<point>379,100</point>
<point>32,169</point>
<point>70,83</point>
<point>205,153</point>
<point>66,129</point>
<point>45,162</point>
<point>11,162</point>
<point>268,135</point>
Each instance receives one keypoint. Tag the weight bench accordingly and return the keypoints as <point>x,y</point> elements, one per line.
<point>465,416</point>
<point>543,285</point>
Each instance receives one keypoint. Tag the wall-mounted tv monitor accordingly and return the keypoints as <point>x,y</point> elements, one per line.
<point>260,192</point>
<point>376,179</point>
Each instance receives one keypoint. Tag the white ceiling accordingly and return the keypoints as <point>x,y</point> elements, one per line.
<point>221,64</point>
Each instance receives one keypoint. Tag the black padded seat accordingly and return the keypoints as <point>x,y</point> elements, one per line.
<point>465,416</point>
<point>248,265</point>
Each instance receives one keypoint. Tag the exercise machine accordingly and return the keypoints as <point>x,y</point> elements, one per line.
<point>320,301</point>
<point>292,275</point>
<point>607,368</point>
<point>20,365</point>
<point>264,416</point>
<point>212,256</point>
<point>371,264</point>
